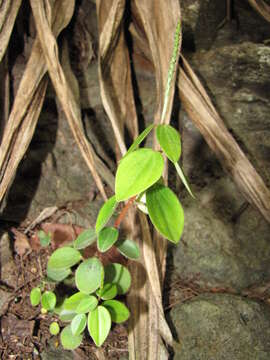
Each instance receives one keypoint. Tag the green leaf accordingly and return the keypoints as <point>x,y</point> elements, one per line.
<point>45,239</point>
<point>86,238</point>
<point>64,258</point>
<point>165,211</point>
<point>128,248</point>
<point>54,328</point>
<point>58,275</point>
<point>99,324</point>
<point>68,340</point>
<point>74,300</point>
<point>169,140</point>
<point>78,324</point>
<point>87,304</point>
<point>35,296</point>
<point>106,238</point>
<point>109,291</point>
<point>119,312</point>
<point>183,178</point>
<point>66,315</point>
<point>105,213</point>
<point>48,300</point>
<point>139,139</point>
<point>119,275</point>
<point>89,275</point>
<point>137,172</point>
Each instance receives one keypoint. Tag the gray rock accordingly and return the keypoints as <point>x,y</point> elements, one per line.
<point>5,298</point>
<point>222,327</point>
<point>216,251</point>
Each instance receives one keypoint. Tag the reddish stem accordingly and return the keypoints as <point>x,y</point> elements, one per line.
<point>124,211</point>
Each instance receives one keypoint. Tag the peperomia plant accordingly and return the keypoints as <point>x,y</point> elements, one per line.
<point>139,181</point>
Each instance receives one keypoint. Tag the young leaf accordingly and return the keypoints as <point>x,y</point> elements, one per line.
<point>139,139</point>
<point>99,324</point>
<point>105,213</point>
<point>137,172</point>
<point>119,275</point>
<point>78,324</point>
<point>66,315</point>
<point>48,300</point>
<point>87,304</point>
<point>44,238</point>
<point>35,296</point>
<point>183,178</point>
<point>74,300</point>
<point>89,275</point>
<point>108,292</point>
<point>128,248</point>
<point>118,311</point>
<point>169,140</point>
<point>86,238</point>
<point>106,238</point>
<point>58,275</point>
<point>54,328</point>
<point>68,340</point>
<point>165,211</point>
<point>64,258</point>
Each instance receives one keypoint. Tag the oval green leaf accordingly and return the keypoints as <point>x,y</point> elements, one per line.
<point>99,324</point>
<point>118,311</point>
<point>35,296</point>
<point>86,238</point>
<point>54,328</point>
<point>48,300</point>
<point>57,275</point>
<point>165,211</point>
<point>128,248</point>
<point>89,275</point>
<point>139,139</point>
<point>45,239</point>
<point>87,304</point>
<point>169,140</point>
<point>64,258</point>
<point>108,292</point>
<point>137,172</point>
<point>119,275</point>
<point>78,324</point>
<point>106,238</point>
<point>105,213</point>
<point>68,340</point>
<point>74,300</point>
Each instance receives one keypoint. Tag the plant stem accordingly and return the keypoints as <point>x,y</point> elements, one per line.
<point>124,211</point>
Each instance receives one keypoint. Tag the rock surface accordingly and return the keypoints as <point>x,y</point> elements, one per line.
<point>222,327</point>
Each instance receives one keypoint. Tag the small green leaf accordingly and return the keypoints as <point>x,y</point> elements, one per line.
<point>183,178</point>
<point>64,258</point>
<point>45,239</point>
<point>86,238</point>
<point>78,324</point>
<point>48,300</point>
<point>128,248</point>
<point>105,213</point>
<point>68,340</point>
<point>137,172</point>
<point>35,296</point>
<point>54,328</point>
<point>119,275</point>
<point>99,324</point>
<point>139,139</point>
<point>87,304</point>
<point>165,211</point>
<point>89,275</point>
<point>58,275</point>
<point>66,315</point>
<point>119,312</point>
<point>169,140</point>
<point>108,292</point>
<point>106,238</point>
<point>74,300</point>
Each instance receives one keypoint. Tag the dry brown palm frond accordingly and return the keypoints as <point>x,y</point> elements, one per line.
<point>261,7</point>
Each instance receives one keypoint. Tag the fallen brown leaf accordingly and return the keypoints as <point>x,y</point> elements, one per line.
<point>21,244</point>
